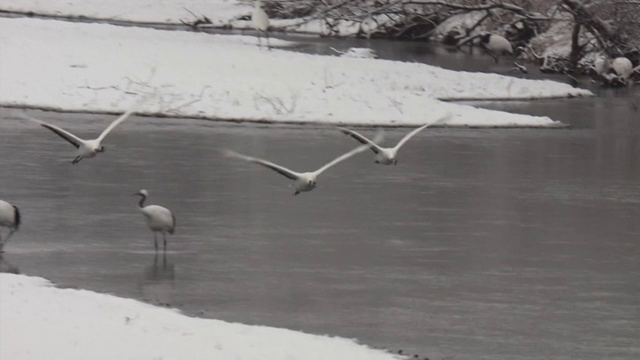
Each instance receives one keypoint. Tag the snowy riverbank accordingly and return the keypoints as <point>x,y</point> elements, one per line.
<point>102,68</point>
<point>220,12</point>
<point>40,321</point>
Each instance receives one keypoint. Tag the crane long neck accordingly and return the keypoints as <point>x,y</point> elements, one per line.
<point>143,198</point>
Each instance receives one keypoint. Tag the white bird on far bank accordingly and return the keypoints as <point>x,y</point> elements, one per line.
<point>260,21</point>
<point>388,156</point>
<point>87,148</point>
<point>496,45</point>
<point>622,67</point>
<point>614,71</point>
<point>159,218</point>
<point>601,65</point>
<point>306,181</point>
<point>9,218</point>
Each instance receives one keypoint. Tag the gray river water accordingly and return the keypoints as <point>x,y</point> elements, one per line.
<point>480,244</point>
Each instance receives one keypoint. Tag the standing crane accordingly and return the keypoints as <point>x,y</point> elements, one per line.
<point>159,218</point>
<point>9,218</point>
<point>496,45</point>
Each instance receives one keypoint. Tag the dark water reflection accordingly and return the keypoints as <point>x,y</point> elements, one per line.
<point>7,267</point>
<point>481,244</point>
<point>157,282</point>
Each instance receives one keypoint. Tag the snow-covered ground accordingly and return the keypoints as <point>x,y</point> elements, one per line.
<point>220,12</point>
<point>39,321</point>
<point>97,67</point>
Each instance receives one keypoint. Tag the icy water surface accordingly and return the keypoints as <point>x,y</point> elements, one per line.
<point>480,244</point>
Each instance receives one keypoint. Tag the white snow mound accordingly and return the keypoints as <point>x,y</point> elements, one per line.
<point>97,67</point>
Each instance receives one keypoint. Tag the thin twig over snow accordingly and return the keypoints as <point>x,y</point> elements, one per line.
<point>278,106</point>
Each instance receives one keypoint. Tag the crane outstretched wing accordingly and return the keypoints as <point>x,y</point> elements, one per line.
<point>342,157</point>
<point>125,116</point>
<point>72,139</point>
<point>275,167</point>
<point>417,130</point>
<point>362,139</point>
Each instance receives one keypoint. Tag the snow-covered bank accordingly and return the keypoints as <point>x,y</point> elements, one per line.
<point>233,14</point>
<point>39,321</point>
<point>220,12</point>
<point>96,67</point>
